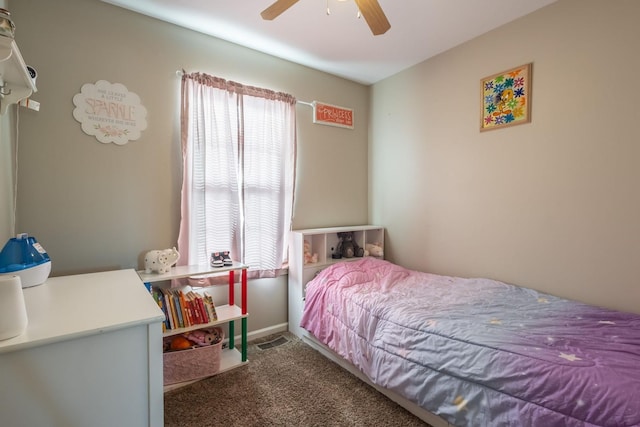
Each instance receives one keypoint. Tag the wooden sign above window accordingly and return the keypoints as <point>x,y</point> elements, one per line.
<point>332,115</point>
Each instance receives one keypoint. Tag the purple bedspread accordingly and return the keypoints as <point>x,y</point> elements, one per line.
<point>479,352</point>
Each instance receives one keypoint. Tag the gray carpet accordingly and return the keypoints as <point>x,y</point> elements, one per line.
<point>285,383</point>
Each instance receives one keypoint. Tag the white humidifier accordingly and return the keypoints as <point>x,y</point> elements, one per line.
<point>13,312</point>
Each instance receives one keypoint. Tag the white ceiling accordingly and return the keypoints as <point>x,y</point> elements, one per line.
<point>340,43</point>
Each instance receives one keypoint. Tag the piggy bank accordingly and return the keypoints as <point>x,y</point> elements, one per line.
<point>160,260</point>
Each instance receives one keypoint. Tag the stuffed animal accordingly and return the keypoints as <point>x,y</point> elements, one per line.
<point>374,249</point>
<point>347,246</point>
<point>179,342</point>
<point>308,257</point>
<point>204,337</point>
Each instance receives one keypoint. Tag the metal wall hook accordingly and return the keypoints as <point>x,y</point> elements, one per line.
<point>4,92</point>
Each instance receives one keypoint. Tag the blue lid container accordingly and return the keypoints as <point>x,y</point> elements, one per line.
<point>20,253</point>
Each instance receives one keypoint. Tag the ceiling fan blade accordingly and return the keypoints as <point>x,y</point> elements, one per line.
<point>374,16</point>
<point>277,8</point>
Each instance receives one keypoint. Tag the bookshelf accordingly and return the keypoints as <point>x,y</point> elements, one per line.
<point>226,314</point>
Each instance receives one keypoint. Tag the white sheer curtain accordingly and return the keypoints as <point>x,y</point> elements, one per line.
<point>239,151</point>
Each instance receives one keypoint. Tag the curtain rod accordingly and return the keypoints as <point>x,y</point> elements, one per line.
<point>180,73</point>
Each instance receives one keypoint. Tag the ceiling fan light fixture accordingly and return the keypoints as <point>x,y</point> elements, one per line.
<point>370,10</point>
<point>329,10</point>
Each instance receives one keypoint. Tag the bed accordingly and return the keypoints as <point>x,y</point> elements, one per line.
<point>476,351</point>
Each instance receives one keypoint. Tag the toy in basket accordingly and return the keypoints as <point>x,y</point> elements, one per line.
<point>192,355</point>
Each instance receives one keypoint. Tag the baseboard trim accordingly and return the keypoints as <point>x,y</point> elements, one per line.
<point>254,335</point>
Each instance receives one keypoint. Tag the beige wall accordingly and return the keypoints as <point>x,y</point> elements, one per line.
<point>6,172</point>
<point>553,204</point>
<point>98,206</point>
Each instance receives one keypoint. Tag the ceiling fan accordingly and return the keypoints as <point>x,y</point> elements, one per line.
<point>370,9</point>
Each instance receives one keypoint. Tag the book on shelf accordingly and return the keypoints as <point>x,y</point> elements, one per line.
<point>176,304</point>
<point>170,310</point>
<point>185,307</point>
<point>211,308</point>
<point>203,311</point>
<point>158,298</point>
<point>193,306</point>
<point>192,309</point>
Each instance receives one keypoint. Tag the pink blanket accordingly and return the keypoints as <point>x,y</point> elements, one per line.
<point>477,351</point>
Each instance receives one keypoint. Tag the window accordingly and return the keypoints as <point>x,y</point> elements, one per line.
<point>239,149</point>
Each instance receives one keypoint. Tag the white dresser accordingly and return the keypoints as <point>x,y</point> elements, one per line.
<point>91,355</point>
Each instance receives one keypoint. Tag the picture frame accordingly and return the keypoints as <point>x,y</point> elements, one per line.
<point>506,98</point>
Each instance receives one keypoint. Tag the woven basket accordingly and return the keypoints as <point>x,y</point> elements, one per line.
<point>192,364</point>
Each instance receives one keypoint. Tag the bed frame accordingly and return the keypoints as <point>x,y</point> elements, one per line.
<point>423,414</point>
